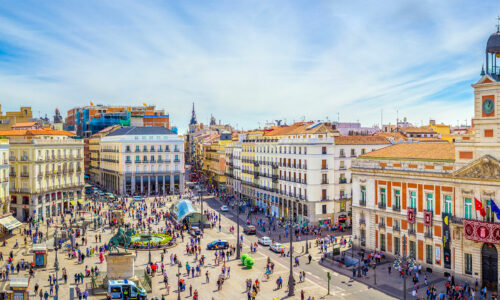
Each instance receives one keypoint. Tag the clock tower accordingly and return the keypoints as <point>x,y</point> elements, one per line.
<point>485,135</point>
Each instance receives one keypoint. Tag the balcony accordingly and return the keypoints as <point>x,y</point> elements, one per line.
<point>324,167</point>
<point>412,232</point>
<point>342,180</point>
<point>176,150</point>
<point>428,235</point>
<point>12,174</point>
<point>176,160</point>
<point>137,150</point>
<point>381,225</point>
<point>396,228</point>
<point>382,205</point>
<point>362,202</point>
<point>324,181</point>
<point>362,221</point>
<point>25,174</point>
<point>456,220</point>
<point>12,158</point>
<point>396,208</point>
<point>128,161</point>
<point>24,158</point>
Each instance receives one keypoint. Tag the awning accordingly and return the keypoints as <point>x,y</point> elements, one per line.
<point>10,222</point>
<point>80,201</point>
<point>72,202</point>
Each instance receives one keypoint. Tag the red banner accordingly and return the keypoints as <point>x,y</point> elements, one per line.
<point>482,231</point>
<point>427,218</point>
<point>411,215</point>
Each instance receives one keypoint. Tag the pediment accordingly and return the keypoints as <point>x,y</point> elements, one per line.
<point>486,79</point>
<point>486,167</point>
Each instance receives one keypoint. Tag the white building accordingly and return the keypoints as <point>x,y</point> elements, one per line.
<point>300,169</point>
<point>142,160</point>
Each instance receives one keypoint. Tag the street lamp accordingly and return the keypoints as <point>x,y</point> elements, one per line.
<point>291,291</point>
<point>179,266</point>
<point>238,230</point>
<point>219,222</point>
<point>307,242</point>
<point>149,244</point>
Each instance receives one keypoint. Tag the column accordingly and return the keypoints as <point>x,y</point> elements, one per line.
<point>181,182</point>
<point>157,190</point>
<point>142,185</point>
<point>172,182</point>
<point>132,184</point>
<point>163,181</point>
<point>149,185</point>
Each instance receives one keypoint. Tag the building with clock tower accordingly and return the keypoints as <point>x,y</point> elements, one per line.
<point>438,202</point>
<point>486,137</point>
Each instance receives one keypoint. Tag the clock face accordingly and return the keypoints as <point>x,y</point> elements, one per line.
<point>488,106</point>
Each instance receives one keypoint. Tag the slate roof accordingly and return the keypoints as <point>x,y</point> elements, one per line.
<point>135,130</point>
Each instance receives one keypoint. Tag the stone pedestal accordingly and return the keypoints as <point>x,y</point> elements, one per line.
<point>120,265</point>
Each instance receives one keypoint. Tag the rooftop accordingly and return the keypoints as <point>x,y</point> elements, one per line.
<point>32,132</point>
<point>415,151</point>
<point>361,140</point>
<point>135,130</point>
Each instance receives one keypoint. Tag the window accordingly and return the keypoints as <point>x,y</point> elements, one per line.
<point>145,158</point>
<point>468,208</point>
<point>413,249</point>
<point>323,209</point>
<point>397,198</point>
<point>413,199</point>
<point>363,194</point>
<point>128,158</point>
<point>137,149</point>
<point>137,159</point>
<point>382,196</point>
<point>323,164</point>
<point>342,166</point>
<point>363,151</point>
<point>127,148</point>
<point>152,148</point>
<point>429,202</point>
<point>382,242</point>
<point>428,254</point>
<point>342,153</point>
<point>468,263</point>
<point>447,204</point>
<point>323,150</point>
<point>397,246</point>
<point>353,152</point>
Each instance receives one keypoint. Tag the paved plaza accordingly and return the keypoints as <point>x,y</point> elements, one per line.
<point>315,284</point>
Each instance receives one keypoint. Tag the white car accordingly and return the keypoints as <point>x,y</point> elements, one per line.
<point>276,247</point>
<point>265,240</point>
<point>224,208</point>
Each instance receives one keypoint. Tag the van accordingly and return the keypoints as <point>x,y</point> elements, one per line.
<point>125,289</point>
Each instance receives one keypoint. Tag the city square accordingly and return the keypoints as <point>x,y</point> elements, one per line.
<point>224,150</point>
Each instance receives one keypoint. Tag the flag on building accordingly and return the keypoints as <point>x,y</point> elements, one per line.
<point>480,207</point>
<point>494,208</point>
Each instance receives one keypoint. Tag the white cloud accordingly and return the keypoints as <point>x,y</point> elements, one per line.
<point>249,62</point>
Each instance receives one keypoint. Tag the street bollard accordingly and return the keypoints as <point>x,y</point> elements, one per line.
<point>329,278</point>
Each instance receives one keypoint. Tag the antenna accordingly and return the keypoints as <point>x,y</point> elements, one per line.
<point>381,118</point>
<point>338,117</point>
<point>498,24</point>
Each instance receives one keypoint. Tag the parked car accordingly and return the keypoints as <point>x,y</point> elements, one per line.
<point>218,245</point>
<point>250,229</point>
<point>265,240</point>
<point>138,198</point>
<point>276,247</point>
<point>224,208</point>
<point>195,231</point>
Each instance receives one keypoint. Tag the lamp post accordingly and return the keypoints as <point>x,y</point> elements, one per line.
<point>404,267</point>
<point>149,244</point>
<point>56,243</point>
<point>238,230</point>
<point>179,266</point>
<point>291,291</point>
<point>307,242</point>
<point>219,222</point>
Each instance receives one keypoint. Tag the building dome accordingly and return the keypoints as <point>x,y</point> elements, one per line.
<point>493,45</point>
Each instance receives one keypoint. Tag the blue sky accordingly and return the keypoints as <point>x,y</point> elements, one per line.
<point>248,61</point>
